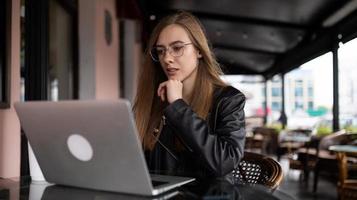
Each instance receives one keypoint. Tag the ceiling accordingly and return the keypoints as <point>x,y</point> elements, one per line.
<point>265,37</point>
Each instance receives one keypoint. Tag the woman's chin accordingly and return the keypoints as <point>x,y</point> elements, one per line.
<point>174,77</point>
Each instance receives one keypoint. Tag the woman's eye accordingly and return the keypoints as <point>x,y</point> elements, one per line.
<point>160,51</point>
<point>177,48</point>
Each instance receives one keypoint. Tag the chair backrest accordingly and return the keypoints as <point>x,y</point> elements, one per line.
<point>264,130</point>
<point>270,135</point>
<point>258,169</point>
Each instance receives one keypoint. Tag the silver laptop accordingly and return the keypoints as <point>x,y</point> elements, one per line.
<point>91,144</point>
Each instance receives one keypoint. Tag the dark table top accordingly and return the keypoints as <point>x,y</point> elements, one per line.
<point>201,189</point>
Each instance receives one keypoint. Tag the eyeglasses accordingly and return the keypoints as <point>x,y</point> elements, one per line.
<point>175,50</point>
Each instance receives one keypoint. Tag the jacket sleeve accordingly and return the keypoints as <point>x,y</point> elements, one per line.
<point>222,150</point>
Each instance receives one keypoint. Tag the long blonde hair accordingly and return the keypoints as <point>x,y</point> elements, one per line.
<point>148,108</point>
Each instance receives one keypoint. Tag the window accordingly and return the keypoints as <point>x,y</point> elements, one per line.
<point>276,106</point>
<point>4,95</point>
<point>62,63</point>
<point>51,59</point>
<point>298,82</point>
<point>276,92</point>
<point>348,85</point>
<point>298,91</point>
<point>299,105</point>
<point>253,88</point>
<point>311,105</point>
<point>310,91</point>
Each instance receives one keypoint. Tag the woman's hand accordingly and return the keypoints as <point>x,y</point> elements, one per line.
<point>170,89</point>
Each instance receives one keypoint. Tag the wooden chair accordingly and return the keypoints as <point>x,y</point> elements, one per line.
<point>258,169</point>
<point>347,187</point>
<point>326,160</point>
<point>306,157</point>
<point>269,142</point>
<point>349,190</point>
<point>288,146</point>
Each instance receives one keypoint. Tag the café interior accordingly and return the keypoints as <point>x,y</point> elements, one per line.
<point>53,50</point>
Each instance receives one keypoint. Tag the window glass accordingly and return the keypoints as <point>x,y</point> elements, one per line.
<point>298,91</point>
<point>310,91</point>
<point>348,85</point>
<point>274,99</point>
<point>4,87</point>
<point>309,95</point>
<point>276,92</point>
<point>276,106</point>
<point>253,88</point>
<point>61,63</point>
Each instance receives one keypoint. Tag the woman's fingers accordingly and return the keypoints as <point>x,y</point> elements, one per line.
<point>161,91</point>
<point>163,95</point>
<point>160,88</point>
<point>170,90</point>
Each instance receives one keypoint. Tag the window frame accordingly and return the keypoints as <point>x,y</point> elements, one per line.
<point>5,9</point>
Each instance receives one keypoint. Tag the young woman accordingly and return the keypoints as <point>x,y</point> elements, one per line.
<point>190,122</point>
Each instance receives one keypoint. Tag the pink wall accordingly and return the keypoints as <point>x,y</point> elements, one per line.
<point>98,61</point>
<point>9,124</point>
<point>106,55</point>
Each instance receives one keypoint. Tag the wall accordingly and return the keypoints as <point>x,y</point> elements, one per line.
<point>132,57</point>
<point>98,61</point>
<point>9,124</point>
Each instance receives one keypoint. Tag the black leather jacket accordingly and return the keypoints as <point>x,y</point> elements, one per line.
<point>212,148</point>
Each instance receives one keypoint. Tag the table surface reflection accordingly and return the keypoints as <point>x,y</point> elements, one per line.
<point>344,148</point>
<point>200,189</point>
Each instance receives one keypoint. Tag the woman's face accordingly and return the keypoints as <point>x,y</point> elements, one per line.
<point>177,55</point>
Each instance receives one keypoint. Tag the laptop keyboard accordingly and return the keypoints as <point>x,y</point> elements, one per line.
<point>158,183</point>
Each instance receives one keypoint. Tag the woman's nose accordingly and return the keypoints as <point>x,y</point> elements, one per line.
<point>168,57</point>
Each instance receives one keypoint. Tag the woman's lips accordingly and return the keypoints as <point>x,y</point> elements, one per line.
<point>171,71</point>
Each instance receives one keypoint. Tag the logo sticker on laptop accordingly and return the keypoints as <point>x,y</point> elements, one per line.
<point>80,147</point>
